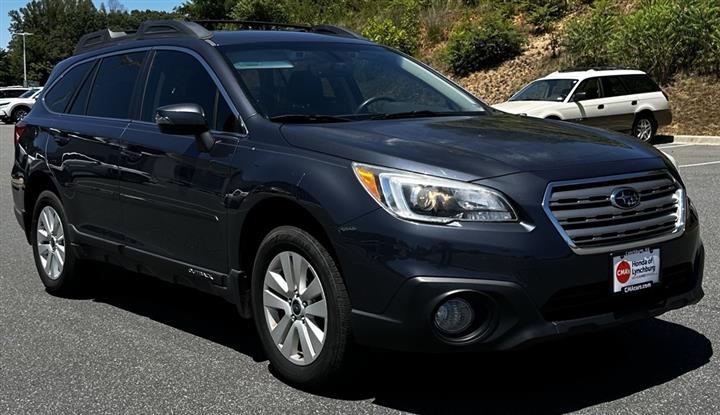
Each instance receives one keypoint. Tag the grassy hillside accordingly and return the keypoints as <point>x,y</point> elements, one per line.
<point>494,47</point>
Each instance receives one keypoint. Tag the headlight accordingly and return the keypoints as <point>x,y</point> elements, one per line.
<point>2,104</point>
<point>430,199</point>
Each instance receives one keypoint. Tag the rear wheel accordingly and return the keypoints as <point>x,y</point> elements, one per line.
<point>54,257</point>
<point>644,127</point>
<point>301,307</point>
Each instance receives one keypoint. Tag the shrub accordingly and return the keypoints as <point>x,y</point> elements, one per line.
<point>702,35</point>
<point>543,14</point>
<point>437,18</point>
<point>662,38</point>
<point>400,29</point>
<point>588,38</point>
<point>652,39</point>
<point>261,10</point>
<point>476,45</point>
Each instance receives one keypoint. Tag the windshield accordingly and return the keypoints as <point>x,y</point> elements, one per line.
<point>323,82</point>
<point>546,90</point>
<point>29,93</point>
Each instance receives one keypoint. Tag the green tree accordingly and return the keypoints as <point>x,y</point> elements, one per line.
<point>206,9</point>
<point>56,26</point>
<point>261,10</point>
<point>6,75</point>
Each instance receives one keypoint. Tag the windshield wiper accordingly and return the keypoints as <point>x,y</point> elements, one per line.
<point>307,119</point>
<point>423,113</point>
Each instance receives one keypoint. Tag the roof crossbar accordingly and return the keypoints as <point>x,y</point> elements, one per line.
<point>148,30</point>
<point>198,29</point>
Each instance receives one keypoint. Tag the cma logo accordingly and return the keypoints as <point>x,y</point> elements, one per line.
<point>197,273</point>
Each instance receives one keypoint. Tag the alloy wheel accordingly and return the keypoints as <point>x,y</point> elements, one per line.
<point>51,242</point>
<point>295,308</point>
<point>644,129</point>
<point>20,115</point>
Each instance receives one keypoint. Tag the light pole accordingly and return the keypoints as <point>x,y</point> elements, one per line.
<point>24,35</point>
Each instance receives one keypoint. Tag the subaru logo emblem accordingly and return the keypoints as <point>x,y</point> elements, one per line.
<point>625,198</point>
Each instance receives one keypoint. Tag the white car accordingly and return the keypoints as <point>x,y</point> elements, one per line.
<point>12,91</point>
<point>621,100</point>
<point>15,109</point>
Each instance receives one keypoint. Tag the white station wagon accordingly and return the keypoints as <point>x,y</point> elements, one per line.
<point>621,100</point>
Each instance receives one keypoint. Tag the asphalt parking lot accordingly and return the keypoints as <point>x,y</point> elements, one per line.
<point>132,344</point>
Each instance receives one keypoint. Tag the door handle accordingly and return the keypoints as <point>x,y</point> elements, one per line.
<point>633,103</point>
<point>601,106</point>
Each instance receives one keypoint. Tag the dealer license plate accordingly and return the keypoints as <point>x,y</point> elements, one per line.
<point>636,270</point>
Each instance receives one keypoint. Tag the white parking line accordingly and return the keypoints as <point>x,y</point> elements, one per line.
<point>701,164</point>
<point>677,145</point>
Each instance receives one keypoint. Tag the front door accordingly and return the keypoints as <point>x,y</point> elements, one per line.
<point>173,195</point>
<point>590,103</point>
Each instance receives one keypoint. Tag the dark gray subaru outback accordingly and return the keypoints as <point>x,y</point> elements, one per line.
<point>339,192</point>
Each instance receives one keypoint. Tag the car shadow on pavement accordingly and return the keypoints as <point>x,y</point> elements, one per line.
<point>554,377</point>
<point>557,377</point>
<point>180,307</point>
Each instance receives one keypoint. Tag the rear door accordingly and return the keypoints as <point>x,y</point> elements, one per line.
<point>92,107</point>
<point>620,104</point>
<point>173,195</point>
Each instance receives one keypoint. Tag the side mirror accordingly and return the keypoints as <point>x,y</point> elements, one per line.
<point>185,119</point>
<point>579,96</point>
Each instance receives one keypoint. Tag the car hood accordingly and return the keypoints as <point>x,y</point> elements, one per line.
<point>468,148</point>
<point>523,107</point>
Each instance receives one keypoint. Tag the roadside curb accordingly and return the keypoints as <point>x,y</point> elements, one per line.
<point>697,139</point>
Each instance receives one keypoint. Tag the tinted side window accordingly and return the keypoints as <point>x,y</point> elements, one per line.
<point>613,87</point>
<point>178,78</point>
<point>591,88</point>
<point>225,120</point>
<point>59,96</point>
<point>79,105</point>
<point>12,93</point>
<point>114,85</point>
<point>640,84</point>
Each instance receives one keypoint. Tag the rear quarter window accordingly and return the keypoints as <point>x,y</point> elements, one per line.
<point>62,92</point>
<point>640,84</point>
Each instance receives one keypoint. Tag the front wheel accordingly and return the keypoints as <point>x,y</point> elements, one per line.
<point>644,128</point>
<point>301,307</point>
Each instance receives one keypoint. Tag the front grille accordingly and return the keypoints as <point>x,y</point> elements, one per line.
<point>593,299</point>
<point>585,216</point>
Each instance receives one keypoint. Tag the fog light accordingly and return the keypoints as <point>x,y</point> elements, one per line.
<point>454,316</point>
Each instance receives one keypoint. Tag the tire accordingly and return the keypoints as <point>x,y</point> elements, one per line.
<point>299,355</point>
<point>18,114</point>
<point>644,127</point>
<point>54,257</point>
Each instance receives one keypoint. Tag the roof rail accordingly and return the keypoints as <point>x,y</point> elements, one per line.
<point>593,68</point>
<point>258,25</point>
<point>150,29</point>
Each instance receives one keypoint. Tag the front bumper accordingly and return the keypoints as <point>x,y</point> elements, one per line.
<point>398,273</point>
<point>516,321</point>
